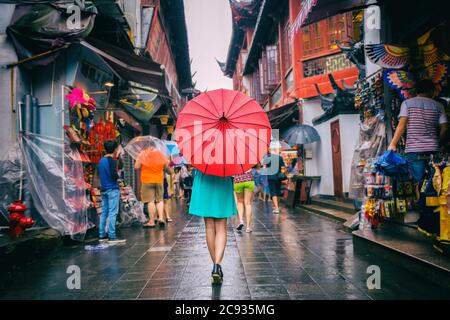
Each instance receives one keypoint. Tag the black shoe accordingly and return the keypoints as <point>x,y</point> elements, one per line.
<point>240,226</point>
<point>162,223</point>
<point>217,275</point>
<point>219,267</point>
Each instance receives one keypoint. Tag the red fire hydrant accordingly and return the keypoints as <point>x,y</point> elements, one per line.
<point>18,222</point>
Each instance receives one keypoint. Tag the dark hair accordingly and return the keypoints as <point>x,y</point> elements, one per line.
<point>424,86</point>
<point>110,146</point>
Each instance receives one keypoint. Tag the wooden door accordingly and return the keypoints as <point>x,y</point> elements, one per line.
<point>337,158</point>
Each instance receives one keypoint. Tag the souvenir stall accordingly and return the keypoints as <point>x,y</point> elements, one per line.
<point>381,181</point>
<point>89,127</point>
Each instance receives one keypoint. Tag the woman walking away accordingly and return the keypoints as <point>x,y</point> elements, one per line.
<point>213,199</point>
<point>275,165</point>
<point>244,186</point>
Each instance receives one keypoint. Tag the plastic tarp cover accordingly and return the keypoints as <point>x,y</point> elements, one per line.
<point>371,144</point>
<point>40,27</point>
<point>137,147</point>
<point>11,172</point>
<point>57,184</point>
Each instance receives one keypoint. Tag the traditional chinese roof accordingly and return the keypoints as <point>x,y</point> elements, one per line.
<point>269,14</point>
<point>244,15</point>
<point>175,23</point>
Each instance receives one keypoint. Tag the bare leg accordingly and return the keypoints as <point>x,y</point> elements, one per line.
<point>210,236</point>
<point>220,239</point>
<point>248,195</point>
<point>240,206</point>
<point>168,209</point>
<point>152,213</point>
<point>160,210</point>
<point>275,202</point>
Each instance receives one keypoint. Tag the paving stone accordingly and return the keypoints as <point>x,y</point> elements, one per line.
<point>299,256</point>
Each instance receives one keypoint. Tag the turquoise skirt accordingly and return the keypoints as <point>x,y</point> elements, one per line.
<point>212,197</point>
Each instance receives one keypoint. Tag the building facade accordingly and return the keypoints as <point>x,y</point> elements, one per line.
<point>283,64</point>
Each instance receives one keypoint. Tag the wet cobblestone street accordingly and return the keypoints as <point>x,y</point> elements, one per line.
<point>293,255</point>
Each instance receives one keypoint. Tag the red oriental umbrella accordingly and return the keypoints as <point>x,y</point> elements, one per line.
<point>223,132</point>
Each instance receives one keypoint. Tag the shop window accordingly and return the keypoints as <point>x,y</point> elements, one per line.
<point>269,69</point>
<point>286,42</point>
<point>255,88</point>
<point>323,35</point>
<point>276,96</point>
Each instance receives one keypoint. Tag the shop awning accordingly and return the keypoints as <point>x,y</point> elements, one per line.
<point>129,66</point>
<point>282,118</point>
<point>316,10</point>
<point>139,112</point>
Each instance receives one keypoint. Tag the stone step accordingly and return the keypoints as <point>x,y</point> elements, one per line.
<point>407,248</point>
<point>333,204</point>
<point>339,215</point>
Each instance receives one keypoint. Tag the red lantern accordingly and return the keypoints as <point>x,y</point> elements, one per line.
<point>18,222</point>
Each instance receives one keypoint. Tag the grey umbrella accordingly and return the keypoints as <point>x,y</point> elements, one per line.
<point>301,134</point>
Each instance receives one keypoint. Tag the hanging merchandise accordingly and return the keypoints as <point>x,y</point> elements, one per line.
<point>371,144</point>
<point>369,97</point>
<point>102,131</point>
<point>434,215</point>
<point>388,194</point>
<point>82,106</point>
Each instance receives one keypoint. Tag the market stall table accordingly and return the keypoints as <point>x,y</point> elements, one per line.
<point>302,190</point>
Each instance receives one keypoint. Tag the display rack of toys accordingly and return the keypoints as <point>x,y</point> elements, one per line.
<point>386,197</point>
<point>369,96</point>
<point>396,103</point>
<point>288,156</point>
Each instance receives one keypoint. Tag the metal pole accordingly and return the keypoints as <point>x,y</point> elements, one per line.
<point>28,129</point>
<point>62,142</point>
<point>19,140</point>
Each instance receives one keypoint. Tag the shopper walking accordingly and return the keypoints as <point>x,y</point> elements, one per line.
<point>213,199</point>
<point>426,126</point>
<point>256,172</point>
<point>244,186</point>
<point>110,194</point>
<point>275,165</point>
<point>177,184</point>
<point>153,164</point>
<point>167,198</point>
<point>188,181</point>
